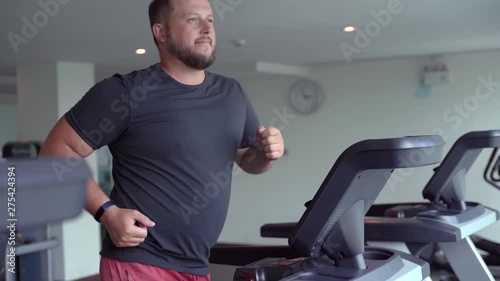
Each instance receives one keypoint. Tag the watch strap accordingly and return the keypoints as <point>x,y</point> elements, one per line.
<point>102,209</point>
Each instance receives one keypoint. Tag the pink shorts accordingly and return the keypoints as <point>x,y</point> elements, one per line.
<point>114,270</point>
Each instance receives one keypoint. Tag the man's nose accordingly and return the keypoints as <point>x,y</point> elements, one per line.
<point>207,27</point>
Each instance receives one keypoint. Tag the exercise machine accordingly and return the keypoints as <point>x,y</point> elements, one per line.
<point>447,221</point>
<point>435,255</point>
<point>21,149</point>
<point>34,261</point>
<point>38,192</point>
<point>492,249</point>
<point>328,241</point>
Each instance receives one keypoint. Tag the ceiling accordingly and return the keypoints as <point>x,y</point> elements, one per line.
<point>280,31</point>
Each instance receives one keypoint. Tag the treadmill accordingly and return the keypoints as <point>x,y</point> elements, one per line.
<point>447,220</point>
<point>37,192</point>
<point>328,241</point>
<point>492,249</point>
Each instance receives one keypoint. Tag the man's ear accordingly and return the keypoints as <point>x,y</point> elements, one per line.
<point>158,32</point>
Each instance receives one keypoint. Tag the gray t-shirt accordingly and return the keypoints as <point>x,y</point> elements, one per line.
<point>173,148</point>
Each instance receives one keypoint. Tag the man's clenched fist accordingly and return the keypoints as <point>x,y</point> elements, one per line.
<point>270,141</point>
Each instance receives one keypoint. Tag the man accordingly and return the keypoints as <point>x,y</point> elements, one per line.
<point>174,130</point>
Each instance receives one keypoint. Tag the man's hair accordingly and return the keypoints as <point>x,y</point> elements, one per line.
<point>159,11</point>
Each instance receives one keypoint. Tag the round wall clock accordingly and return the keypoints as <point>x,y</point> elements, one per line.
<point>306,96</point>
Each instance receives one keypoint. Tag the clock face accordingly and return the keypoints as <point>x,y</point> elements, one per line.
<point>306,96</point>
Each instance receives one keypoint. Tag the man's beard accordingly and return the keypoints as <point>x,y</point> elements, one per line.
<point>188,56</point>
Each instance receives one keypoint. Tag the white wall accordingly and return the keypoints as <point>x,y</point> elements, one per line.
<point>375,99</point>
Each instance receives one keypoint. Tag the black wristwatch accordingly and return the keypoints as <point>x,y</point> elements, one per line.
<point>102,209</point>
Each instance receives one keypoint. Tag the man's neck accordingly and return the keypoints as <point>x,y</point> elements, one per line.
<point>181,72</point>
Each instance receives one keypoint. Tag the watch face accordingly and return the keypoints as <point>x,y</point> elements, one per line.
<point>306,96</point>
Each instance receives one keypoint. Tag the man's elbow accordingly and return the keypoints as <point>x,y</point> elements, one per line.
<point>253,168</point>
<point>251,171</point>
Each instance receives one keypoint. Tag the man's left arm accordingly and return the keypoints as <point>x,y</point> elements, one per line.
<point>267,148</point>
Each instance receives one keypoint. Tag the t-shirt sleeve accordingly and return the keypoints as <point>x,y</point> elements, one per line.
<point>251,123</point>
<point>102,114</point>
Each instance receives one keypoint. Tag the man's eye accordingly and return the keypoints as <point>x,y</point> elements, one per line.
<point>193,19</point>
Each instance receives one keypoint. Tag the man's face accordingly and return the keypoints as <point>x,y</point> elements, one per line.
<point>191,35</point>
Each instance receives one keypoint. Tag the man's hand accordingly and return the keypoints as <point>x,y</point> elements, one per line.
<point>127,228</point>
<point>270,141</point>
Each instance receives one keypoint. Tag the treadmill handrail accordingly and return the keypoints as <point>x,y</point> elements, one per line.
<point>447,184</point>
<point>492,169</point>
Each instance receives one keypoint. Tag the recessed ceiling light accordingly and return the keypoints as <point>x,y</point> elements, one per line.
<point>140,51</point>
<point>348,28</point>
<point>238,43</point>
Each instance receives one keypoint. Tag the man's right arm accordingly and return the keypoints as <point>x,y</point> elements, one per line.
<point>63,141</point>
